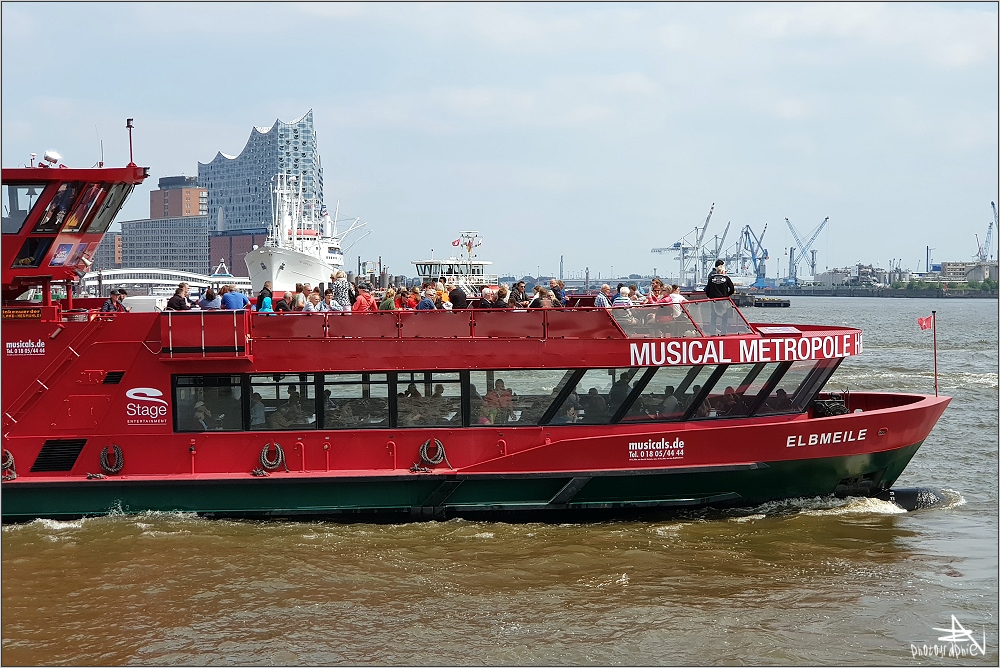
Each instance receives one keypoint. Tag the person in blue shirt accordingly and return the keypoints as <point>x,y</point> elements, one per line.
<point>233,300</point>
<point>427,303</point>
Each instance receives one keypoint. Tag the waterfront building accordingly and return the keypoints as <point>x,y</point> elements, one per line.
<point>109,252</point>
<point>166,243</point>
<point>239,186</point>
<point>178,196</point>
<point>232,246</point>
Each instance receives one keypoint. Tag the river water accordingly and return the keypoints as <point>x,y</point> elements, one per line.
<point>808,581</point>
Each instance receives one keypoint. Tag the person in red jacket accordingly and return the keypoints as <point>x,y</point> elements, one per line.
<point>365,301</point>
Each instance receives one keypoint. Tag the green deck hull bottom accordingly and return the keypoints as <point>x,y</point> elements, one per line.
<point>418,496</point>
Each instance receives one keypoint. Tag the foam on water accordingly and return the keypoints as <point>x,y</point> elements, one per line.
<point>858,506</point>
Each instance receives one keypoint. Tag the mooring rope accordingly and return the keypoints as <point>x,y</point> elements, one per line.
<point>279,457</point>
<point>9,470</point>
<point>439,454</point>
<point>119,460</point>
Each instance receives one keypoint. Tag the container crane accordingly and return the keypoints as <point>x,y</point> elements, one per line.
<point>984,254</point>
<point>758,254</point>
<point>793,260</point>
<point>686,249</point>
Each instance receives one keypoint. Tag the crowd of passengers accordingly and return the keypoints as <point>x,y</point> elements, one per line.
<point>349,297</point>
<point>345,296</point>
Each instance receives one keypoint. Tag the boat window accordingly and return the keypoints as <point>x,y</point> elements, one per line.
<point>659,321</point>
<point>355,400</point>
<point>596,396</point>
<point>667,394</point>
<point>112,203</point>
<point>815,382</point>
<point>516,397</point>
<point>780,400</point>
<point>208,403</point>
<point>32,252</point>
<point>717,317</point>
<point>78,217</point>
<point>283,401</point>
<point>56,211</point>
<point>429,398</point>
<point>17,204</point>
<point>735,393</point>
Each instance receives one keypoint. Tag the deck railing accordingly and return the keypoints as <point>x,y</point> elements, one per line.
<point>689,319</point>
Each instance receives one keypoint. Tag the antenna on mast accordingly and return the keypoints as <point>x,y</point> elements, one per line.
<point>128,124</point>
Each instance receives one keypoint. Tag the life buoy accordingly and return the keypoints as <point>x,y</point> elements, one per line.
<point>119,460</point>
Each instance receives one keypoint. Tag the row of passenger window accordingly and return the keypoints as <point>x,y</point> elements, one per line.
<point>486,397</point>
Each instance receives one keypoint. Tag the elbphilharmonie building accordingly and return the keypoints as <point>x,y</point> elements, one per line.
<point>240,186</point>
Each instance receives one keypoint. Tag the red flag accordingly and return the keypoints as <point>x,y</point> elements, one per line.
<point>456,242</point>
<point>926,323</point>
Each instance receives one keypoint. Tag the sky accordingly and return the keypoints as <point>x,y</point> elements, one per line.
<point>594,132</point>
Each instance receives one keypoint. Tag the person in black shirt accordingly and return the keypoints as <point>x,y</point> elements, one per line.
<point>458,298</point>
<point>284,304</point>
<point>179,301</point>
<point>720,287</point>
<point>487,299</point>
<point>265,292</point>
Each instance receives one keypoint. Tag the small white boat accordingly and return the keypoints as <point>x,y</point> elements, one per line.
<point>471,273</point>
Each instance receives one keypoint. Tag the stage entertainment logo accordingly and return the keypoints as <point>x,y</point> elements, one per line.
<point>146,408</point>
<point>656,449</point>
<point>958,643</point>
<point>19,348</point>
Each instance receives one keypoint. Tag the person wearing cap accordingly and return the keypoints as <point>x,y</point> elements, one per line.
<point>113,304</point>
<point>202,415</point>
<point>365,301</point>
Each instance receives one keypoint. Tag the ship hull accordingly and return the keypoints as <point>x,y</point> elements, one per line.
<point>368,476</point>
<point>534,496</point>
<point>284,268</point>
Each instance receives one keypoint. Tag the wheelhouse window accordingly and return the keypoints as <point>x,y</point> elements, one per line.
<point>18,201</point>
<point>77,219</point>
<point>431,398</point>
<point>32,252</point>
<point>355,401</point>
<point>208,403</point>
<point>55,212</point>
<point>283,401</point>
<point>112,203</point>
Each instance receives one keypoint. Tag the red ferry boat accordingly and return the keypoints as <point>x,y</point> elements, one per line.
<point>398,415</point>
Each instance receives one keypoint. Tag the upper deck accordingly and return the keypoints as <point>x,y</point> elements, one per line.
<point>657,335</point>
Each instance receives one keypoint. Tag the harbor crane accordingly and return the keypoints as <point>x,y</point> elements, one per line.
<point>758,254</point>
<point>793,259</point>
<point>688,249</point>
<point>984,254</point>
